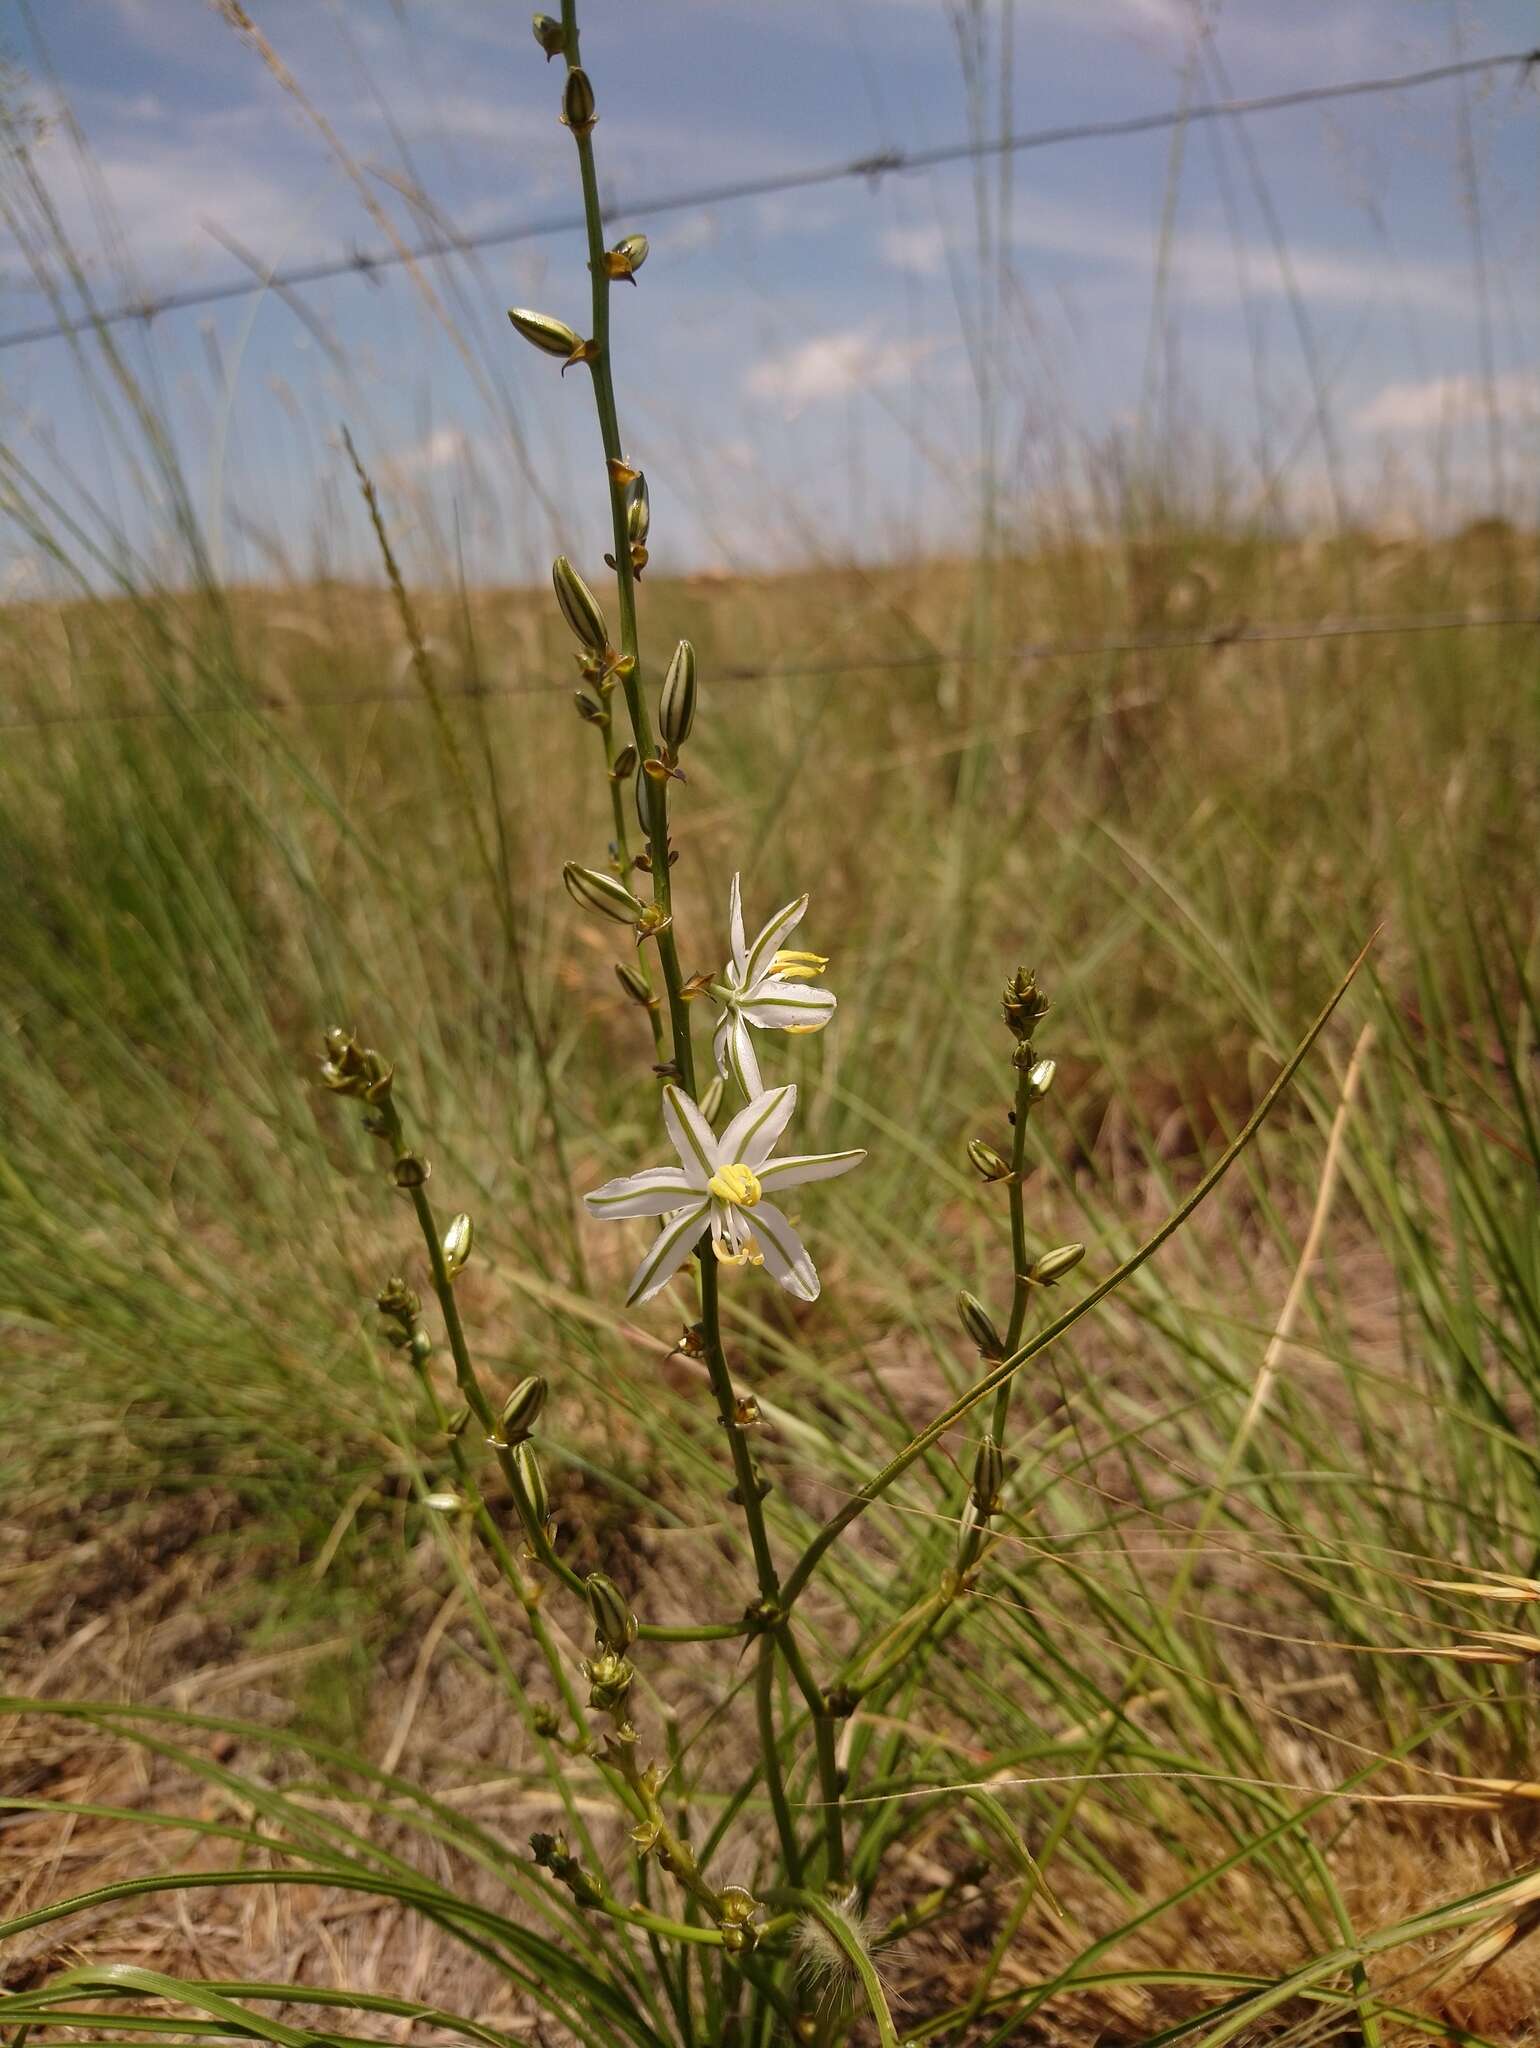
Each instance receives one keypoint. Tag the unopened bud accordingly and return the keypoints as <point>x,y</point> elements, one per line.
<point>638,512</point>
<point>577,102</point>
<point>420,1346</point>
<point>1040,1079</point>
<point>1054,1265</point>
<point>987,1163</point>
<point>410,1171</point>
<point>579,606</point>
<point>550,35</point>
<point>979,1324</point>
<point>554,336</point>
<point>527,1465</point>
<point>626,258</point>
<point>676,706</point>
<point>601,892</point>
<point>988,1473</point>
<point>635,983</point>
<point>624,764</point>
<point>609,1682</point>
<point>589,708</point>
<point>1024,1004</point>
<point>457,1243</point>
<point>614,1623</point>
<point>396,1299</point>
<point>521,1410</point>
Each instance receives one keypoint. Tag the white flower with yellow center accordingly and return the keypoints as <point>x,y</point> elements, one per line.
<point>722,1184</point>
<point>765,986</point>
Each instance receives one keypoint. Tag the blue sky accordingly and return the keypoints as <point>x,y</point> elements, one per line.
<point>797,374</point>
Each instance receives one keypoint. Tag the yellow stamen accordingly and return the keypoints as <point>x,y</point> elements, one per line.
<point>748,1253</point>
<point>735,1185</point>
<point>799,966</point>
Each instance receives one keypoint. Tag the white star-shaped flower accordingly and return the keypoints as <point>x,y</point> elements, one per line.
<point>722,1183</point>
<point>766,987</point>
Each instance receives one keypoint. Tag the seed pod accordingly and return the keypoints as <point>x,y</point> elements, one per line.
<point>979,1324</point>
<point>577,102</point>
<point>988,1474</point>
<point>550,35</point>
<point>711,1099</point>
<point>457,1243</point>
<point>638,512</point>
<point>987,1163</point>
<point>546,332</point>
<point>601,892</point>
<point>676,707</point>
<point>1040,1079</point>
<point>635,983</point>
<point>626,258</point>
<point>527,1466</point>
<point>579,606</point>
<point>1054,1265</point>
<point>614,1623</point>
<point>521,1410</point>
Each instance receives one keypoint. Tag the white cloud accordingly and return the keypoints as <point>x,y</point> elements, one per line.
<point>832,365</point>
<point>920,250</point>
<point>1416,405</point>
<point>443,448</point>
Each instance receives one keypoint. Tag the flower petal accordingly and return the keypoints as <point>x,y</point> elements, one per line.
<point>735,924</point>
<point>750,1138</point>
<point>743,1060</point>
<point>652,1192</point>
<point>797,1168</point>
<point>786,1256</point>
<point>771,940</point>
<point>667,1253</point>
<point>690,1135</point>
<point>721,1032</point>
<point>779,1005</point>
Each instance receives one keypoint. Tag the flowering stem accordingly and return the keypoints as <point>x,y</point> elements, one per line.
<point>1022,1287</point>
<point>625,580</point>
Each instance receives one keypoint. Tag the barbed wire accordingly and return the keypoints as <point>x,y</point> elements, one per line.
<point>873,168</point>
<point>1237,634</point>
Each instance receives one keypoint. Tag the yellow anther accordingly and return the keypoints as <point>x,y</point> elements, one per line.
<point>799,966</point>
<point>735,1185</point>
<point>747,1254</point>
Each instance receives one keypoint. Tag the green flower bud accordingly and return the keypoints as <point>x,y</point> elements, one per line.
<point>988,1475</point>
<point>676,706</point>
<point>1040,1079</point>
<point>554,336</point>
<point>1054,1265</point>
<point>601,892</point>
<point>609,1682</point>
<point>626,258</point>
<point>589,708</point>
<point>624,763</point>
<point>614,1623</point>
<point>457,1243</point>
<point>550,35</point>
<point>421,1347</point>
<point>979,1324</point>
<point>1024,1003</point>
<point>527,1466</point>
<point>395,1298</point>
<point>577,102</point>
<point>410,1171</point>
<point>987,1163</point>
<point>638,512</point>
<point>579,606</point>
<point>635,984</point>
<point>521,1410</point>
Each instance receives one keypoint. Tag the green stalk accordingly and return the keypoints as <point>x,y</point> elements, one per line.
<point>1021,1291</point>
